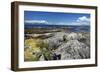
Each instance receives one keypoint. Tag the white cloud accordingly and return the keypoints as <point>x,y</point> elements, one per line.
<point>36,21</point>
<point>83,20</point>
<point>69,23</point>
<point>79,21</point>
<point>61,23</point>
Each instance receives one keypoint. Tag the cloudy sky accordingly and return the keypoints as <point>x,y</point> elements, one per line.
<point>56,18</point>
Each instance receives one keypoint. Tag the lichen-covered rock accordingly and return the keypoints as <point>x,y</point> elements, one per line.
<point>41,58</point>
<point>72,36</point>
<point>73,49</point>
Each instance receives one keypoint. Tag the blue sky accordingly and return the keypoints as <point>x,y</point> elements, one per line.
<point>56,18</point>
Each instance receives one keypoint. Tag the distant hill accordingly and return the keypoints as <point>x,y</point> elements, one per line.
<point>73,28</point>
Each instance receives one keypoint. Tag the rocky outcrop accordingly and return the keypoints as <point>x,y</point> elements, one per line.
<point>74,48</point>
<point>41,58</point>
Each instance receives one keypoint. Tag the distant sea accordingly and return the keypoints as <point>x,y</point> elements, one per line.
<point>73,28</point>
